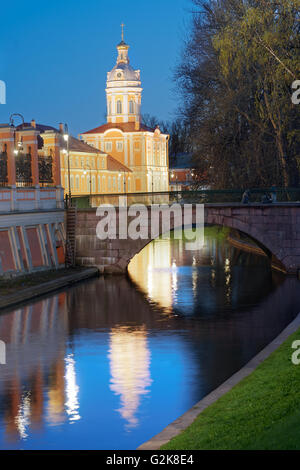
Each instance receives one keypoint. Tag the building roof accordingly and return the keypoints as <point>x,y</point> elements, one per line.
<point>38,127</point>
<point>114,165</point>
<point>123,126</point>
<point>128,73</point>
<point>76,145</point>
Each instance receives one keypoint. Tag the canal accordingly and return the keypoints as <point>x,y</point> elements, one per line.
<point>109,363</point>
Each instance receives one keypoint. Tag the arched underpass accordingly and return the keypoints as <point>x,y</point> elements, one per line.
<point>275,228</point>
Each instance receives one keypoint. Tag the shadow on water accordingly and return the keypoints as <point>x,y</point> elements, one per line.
<point>110,362</point>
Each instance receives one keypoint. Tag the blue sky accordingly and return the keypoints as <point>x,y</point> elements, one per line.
<point>54,56</point>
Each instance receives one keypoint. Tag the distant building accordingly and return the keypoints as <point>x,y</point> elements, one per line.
<point>182,175</point>
<point>139,149</point>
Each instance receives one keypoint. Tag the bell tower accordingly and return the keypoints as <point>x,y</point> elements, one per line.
<point>123,89</point>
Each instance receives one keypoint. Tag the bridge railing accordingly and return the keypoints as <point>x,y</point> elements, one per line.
<point>229,196</point>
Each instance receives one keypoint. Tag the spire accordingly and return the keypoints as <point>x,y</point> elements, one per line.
<point>122,26</point>
<point>122,49</point>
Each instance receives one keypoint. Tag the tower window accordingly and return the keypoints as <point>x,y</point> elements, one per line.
<point>119,107</point>
<point>131,107</point>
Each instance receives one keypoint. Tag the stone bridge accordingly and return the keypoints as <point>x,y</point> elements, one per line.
<point>274,227</point>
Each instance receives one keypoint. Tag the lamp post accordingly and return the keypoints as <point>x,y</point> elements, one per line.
<point>124,176</point>
<point>88,166</point>
<point>67,140</point>
<point>150,169</point>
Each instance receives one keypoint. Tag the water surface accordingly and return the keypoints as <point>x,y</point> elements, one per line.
<point>109,363</point>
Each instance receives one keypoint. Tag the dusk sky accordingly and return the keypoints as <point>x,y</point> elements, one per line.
<point>54,56</point>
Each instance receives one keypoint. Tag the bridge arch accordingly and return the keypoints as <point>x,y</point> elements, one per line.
<point>275,229</point>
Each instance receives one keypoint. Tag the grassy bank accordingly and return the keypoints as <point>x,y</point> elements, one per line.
<point>261,412</point>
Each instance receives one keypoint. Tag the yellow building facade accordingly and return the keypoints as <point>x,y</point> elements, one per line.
<point>141,152</point>
<point>91,171</point>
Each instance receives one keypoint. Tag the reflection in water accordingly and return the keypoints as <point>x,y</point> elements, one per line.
<point>23,417</point>
<point>210,278</point>
<point>129,358</point>
<point>108,364</point>
<point>72,390</point>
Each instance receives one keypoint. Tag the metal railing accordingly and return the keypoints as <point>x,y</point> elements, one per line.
<point>283,195</point>
<point>45,170</point>
<point>3,169</point>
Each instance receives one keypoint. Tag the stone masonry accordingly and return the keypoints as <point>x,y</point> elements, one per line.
<point>276,229</point>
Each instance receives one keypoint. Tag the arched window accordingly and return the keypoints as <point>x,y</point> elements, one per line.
<point>131,107</point>
<point>119,107</point>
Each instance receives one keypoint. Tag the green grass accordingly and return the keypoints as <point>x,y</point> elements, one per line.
<point>261,412</point>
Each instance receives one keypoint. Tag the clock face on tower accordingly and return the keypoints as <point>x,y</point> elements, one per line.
<point>119,75</point>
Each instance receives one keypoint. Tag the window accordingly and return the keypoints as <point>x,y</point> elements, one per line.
<point>103,162</point>
<point>66,181</point>
<point>119,146</point>
<point>114,183</point>
<point>109,183</point>
<point>72,182</point>
<point>82,162</point>
<point>119,107</point>
<point>77,182</point>
<point>99,184</point>
<point>108,146</point>
<point>109,107</point>
<point>131,107</point>
<point>103,184</point>
<point>93,184</point>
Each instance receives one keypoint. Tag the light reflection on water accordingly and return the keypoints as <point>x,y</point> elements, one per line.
<point>107,364</point>
<point>129,359</point>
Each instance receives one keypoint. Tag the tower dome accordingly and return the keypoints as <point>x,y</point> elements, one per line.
<point>123,90</point>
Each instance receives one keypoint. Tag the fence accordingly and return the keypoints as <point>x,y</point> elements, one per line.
<point>283,195</point>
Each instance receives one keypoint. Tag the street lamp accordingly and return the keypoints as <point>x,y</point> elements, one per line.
<point>67,140</point>
<point>124,184</point>
<point>85,173</point>
<point>150,169</point>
